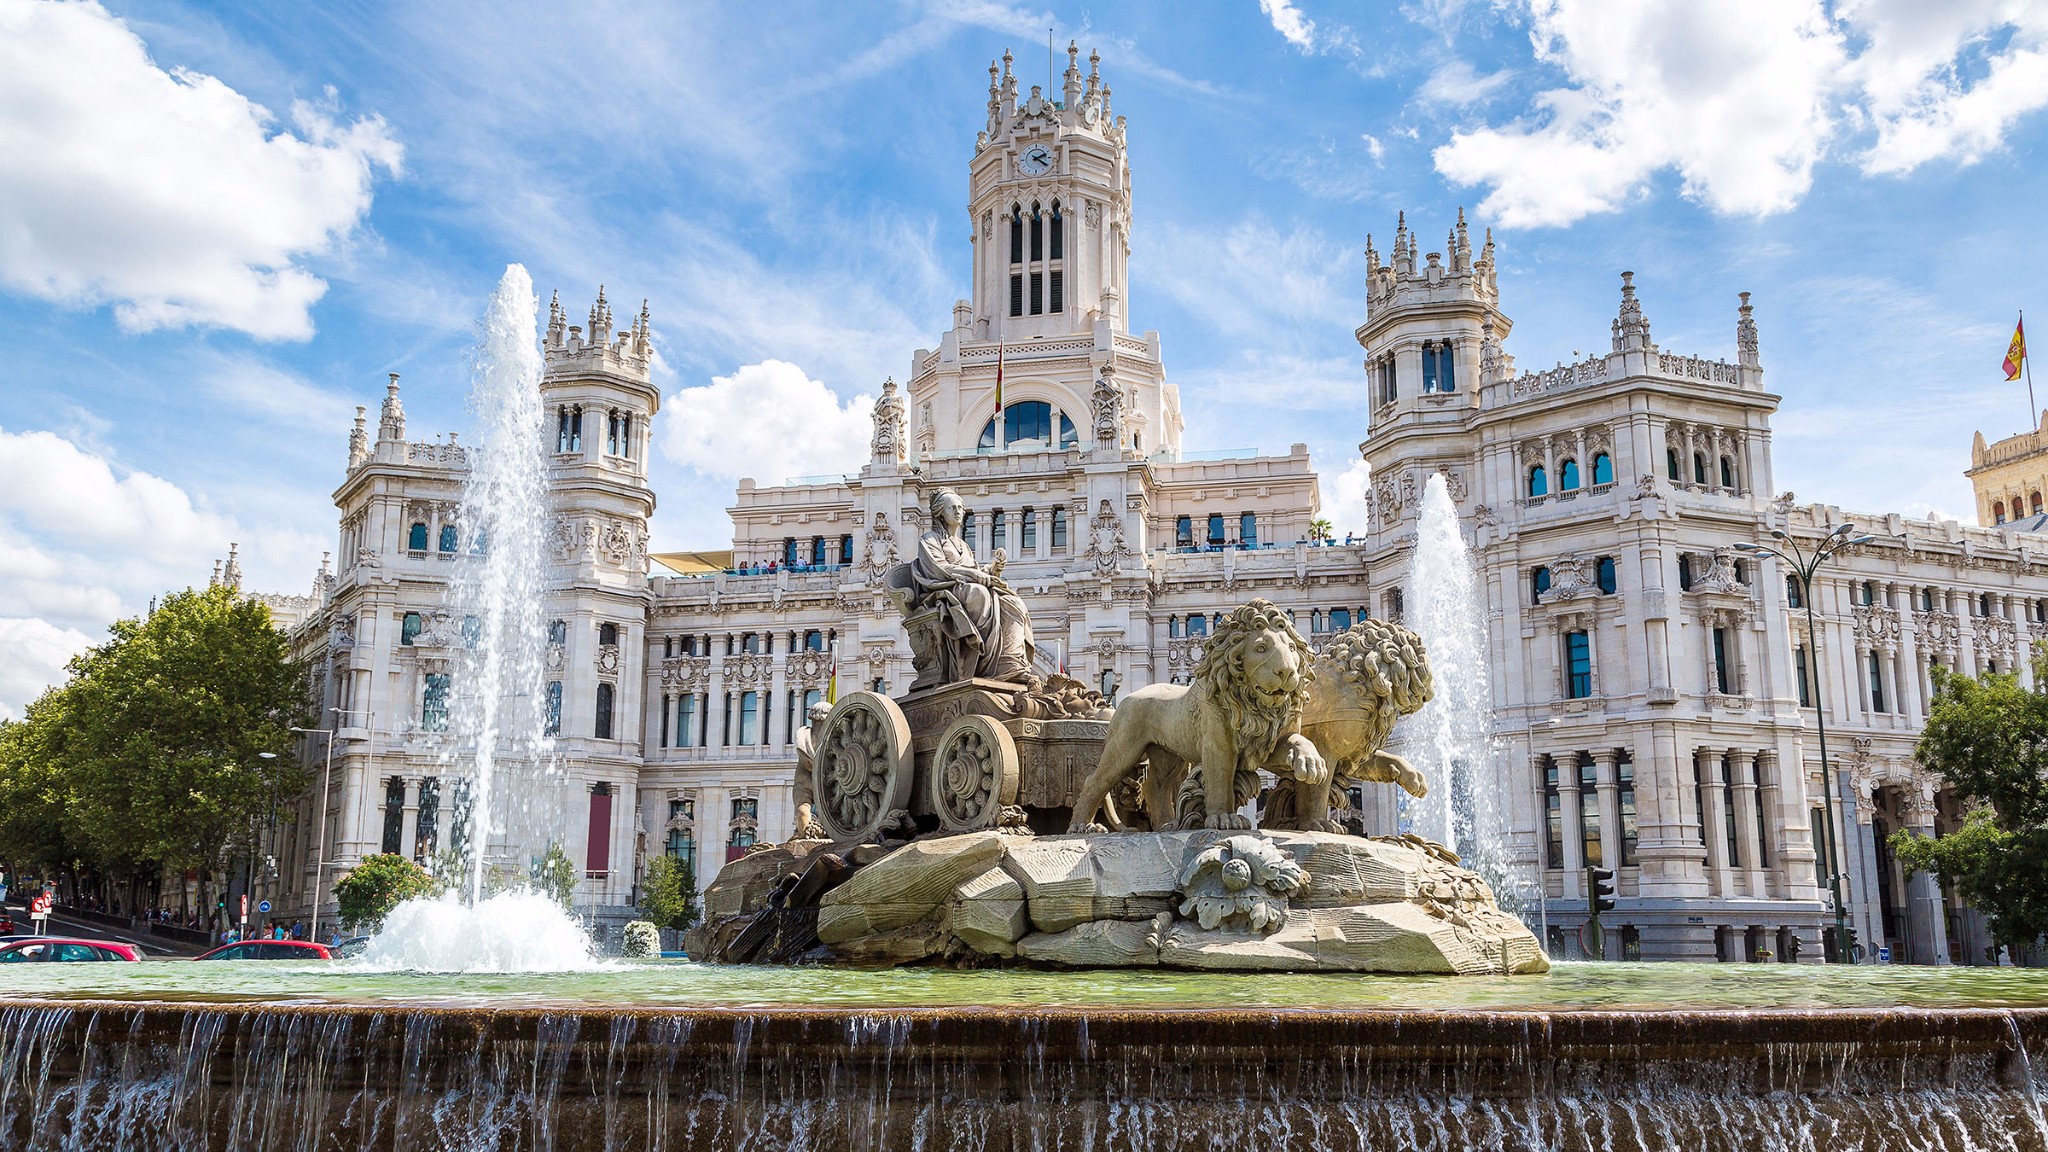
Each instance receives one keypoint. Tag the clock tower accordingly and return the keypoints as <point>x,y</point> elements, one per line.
<point>1050,197</point>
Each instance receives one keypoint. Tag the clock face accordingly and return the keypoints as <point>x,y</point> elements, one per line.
<point>1036,160</point>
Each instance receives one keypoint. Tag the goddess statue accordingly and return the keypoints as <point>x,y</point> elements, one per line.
<point>965,614</point>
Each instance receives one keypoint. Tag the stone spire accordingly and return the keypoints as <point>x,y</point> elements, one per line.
<point>1404,247</point>
<point>1070,83</point>
<point>358,441</point>
<point>323,580</point>
<point>1745,335</point>
<point>391,425</point>
<point>231,574</point>
<point>600,320</point>
<point>1631,327</point>
<point>643,344</point>
<point>1461,245</point>
<point>558,320</point>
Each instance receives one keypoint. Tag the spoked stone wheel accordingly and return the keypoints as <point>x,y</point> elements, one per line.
<point>862,765</point>
<point>974,774</point>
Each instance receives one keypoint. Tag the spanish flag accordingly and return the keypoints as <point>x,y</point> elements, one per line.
<point>999,392</point>
<point>2016,355</point>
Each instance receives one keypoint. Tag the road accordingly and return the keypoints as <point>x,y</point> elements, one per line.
<point>151,947</point>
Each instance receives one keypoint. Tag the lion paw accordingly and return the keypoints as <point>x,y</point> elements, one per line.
<point>1086,828</point>
<point>1412,782</point>
<point>1228,822</point>
<point>1325,826</point>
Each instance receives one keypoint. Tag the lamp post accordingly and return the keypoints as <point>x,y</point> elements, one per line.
<point>1805,565</point>
<point>326,783</point>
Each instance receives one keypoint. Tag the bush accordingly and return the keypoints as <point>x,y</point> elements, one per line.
<point>643,941</point>
<point>380,883</point>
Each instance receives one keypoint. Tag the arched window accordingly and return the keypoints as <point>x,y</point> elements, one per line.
<point>1016,234</point>
<point>409,628</point>
<point>1539,482</point>
<point>2035,501</point>
<point>611,432</point>
<point>448,538</point>
<point>1037,233</point>
<point>1447,369</point>
<point>1671,463</point>
<point>1056,278</point>
<point>1428,366</point>
<point>1699,468</point>
<point>1604,574</point>
<point>416,540</point>
<point>1998,511</point>
<point>1058,248</point>
<point>1603,468</point>
<point>607,633</point>
<point>1727,472</point>
<point>1068,437</point>
<point>1567,475</point>
<point>603,728</point>
<point>1539,583</point>
<point>1028,420</point>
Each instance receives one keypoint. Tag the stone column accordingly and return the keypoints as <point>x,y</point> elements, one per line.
<point>409,819</point>
<point>1714,819</point>
<point>1770,796</point>
<point>1609,786</point>
<point>1748,844</point>
<point>1926,912</point>
<point>714,700</point>
<point>1574,828</point>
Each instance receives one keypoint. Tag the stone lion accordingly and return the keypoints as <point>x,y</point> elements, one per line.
<point>1365,679</point>
<point>1242,713</point>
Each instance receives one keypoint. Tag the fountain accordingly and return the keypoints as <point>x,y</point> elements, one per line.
<point>1182,974</point>
<point>1450,735</point>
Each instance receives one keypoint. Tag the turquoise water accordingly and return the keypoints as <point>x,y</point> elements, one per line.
<point>680,985</point>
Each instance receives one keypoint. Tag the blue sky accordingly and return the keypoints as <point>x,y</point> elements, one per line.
<point>221,224</point>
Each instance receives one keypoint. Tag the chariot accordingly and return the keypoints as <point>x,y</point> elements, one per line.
<point>960,757</point>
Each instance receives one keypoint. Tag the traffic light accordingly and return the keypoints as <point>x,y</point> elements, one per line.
<point>1599,889</point>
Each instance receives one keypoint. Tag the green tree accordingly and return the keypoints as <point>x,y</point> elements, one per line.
<point>555,876</point>
<point>1988,737</point>
<point>668,893</point>
<point>377,885</point>
<point>1320,531</point>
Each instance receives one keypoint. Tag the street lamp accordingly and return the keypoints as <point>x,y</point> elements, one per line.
<point>326,782</point>
<point>1804,565</point>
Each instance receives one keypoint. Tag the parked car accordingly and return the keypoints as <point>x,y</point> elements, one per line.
<point>269,950</point>
<point>6,923</point>
<point>63,949</point>
<point>353,946</point>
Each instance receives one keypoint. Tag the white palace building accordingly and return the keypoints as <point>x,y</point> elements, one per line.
<point>1655,689</point>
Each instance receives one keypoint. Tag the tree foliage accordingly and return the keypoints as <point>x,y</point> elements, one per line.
<point>555,876</point>
<point>668,892</point>
<point>1988,737</point>
<point>377,885</point>
<point>148,756</point>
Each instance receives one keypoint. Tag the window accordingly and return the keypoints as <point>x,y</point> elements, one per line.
<point>1727,472</point>
<point>1055,290</point>
<point>597,855</point>
<point>846,549</point>
<point>2034,502</point>
<point>1184,532</point>
<point>1553,818</point>
<point>394,815</point>
<point>1603,468</point>
<point>817,551</point>
<point>687,734</point>
<point>1428,366</point>
<point>1868,592</point>
<point>558,631</point>
<point>814,641</point>
<point>682,840</point>
<point>1248,530</point>
<point>1037,234</point>
<point>1037,293</point>
<point>1198,625</point>
<point>448,538</point>
<point>1604,574</point>
<point>554,727</point>
<point>1173,627</point>
<point>1998,511</point>
<point>1058,248</point>
<point>607,633</point>
<point>1684,572</point>
<point>1447,368</point>
<point>1625,781</point>
<point>611,432</point>
<point>1027,531</point>
<point>750,717</point>
<point>1215,529</point>
<point>1876,682</point>
<point>1539,583</point>
<point>750,643</point>
<point>1802,676</point>
<point>604,710</point>
<point>416,539</point>
<point>789,552</point>
<point>1724,675</point>
<point>427,835</point>
<point>409,628</point>
<point>1059,527</point>
<point>1794,596</point>
<point>1016,294</point>
<point>1340,619</point>
<point>746,813</point>
<point>1016,236</point>
<point>998,530</point>
<point>1983,604</point>
<point>1671,463</point>
<point>1578,664</point>
<point>1568,476</point>
<point>569,428</point>
<point>434,703</point>
<point>1539,482</point>
<point>1589,812</point>
<point>969,532</point>
<point>1927,599</point>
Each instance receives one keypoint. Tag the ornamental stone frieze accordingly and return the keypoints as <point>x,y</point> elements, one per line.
<point>557,657</point>
<point>1723,577</point>
<point>689,673</point>
<point>1876,627</point>
<point>807,668</point>
<point>1570,578</point>
<point>571,538</point>
<point>1106,548</point>
<point>880,553</point>
<point>1997,638</point>
<point>1939,635</point>
<point>607,659</point>
<point>749,669</point>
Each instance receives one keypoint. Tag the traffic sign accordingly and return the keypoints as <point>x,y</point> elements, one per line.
<point>263,907</point>
<point>245,905</point>
<point>1884,954</point>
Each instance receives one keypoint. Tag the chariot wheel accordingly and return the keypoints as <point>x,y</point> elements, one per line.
<point>974,774</point>
<point>862,766</point>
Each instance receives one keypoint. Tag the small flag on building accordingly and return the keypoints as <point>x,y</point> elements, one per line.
<point>2015,355</point>
<point>999,391</point>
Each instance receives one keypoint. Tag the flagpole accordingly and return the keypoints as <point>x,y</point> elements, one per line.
<point>2027,362</point>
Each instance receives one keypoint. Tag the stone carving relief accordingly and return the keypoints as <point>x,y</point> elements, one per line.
<point>881,547</point>
<point>608,659</point>
<point>1570,578</point>
<point>1106,546</point>
<point>1998,639</point>
<point>1107,404</point>
<point>1939,635</point>
<point>1876,627</point>
<point>888,442</point>
<point>1722,576</point>
<point>687,673</point>
<point>1243,882</point>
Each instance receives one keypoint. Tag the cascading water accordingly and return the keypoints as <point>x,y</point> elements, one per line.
<point>1451,739</point>
<point>499,717</point>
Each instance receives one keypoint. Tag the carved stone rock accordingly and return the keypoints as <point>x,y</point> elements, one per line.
<point>905,886</point>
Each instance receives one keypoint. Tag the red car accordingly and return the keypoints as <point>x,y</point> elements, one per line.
<point>63,949</point>
<point>269,950</point>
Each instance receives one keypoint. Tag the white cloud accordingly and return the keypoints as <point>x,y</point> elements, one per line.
<point>168,194</point>
<point>1344,499</point>
<point>1253,278</point>
<point>1455,82</point>
<point>36,654</point>
<point>1288,21</point>
<point>1743,98</point>
<point>1374,148</point>
<point>768,421</point>
<point>252,386</point>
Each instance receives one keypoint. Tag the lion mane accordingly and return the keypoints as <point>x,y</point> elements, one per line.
<point>1366,679</point>
<point>1259,724</point>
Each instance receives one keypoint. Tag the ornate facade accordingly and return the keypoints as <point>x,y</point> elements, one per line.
<point>1653,690</point>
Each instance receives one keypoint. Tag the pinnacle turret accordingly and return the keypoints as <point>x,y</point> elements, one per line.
<point>391,423</point>
<point>358,439</point>
<point>1745,334</point>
